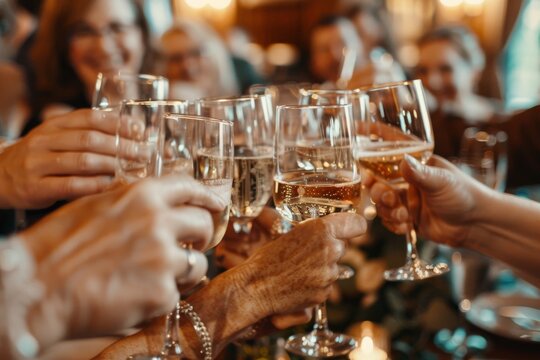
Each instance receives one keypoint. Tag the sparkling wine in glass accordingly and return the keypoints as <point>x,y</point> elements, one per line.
<point>252,117</point>
<point>316,175</point>
<point>201,146</point>
<point>156,138</point>
<point>398,123</point>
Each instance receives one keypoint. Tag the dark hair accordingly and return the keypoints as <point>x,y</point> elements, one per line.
<point>464,41</point>
<point>55,78</point>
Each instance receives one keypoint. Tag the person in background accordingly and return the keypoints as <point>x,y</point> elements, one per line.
<point>75,41</point>
<point>375,33</point>
<point>247,72</point>
<point>339,58</point>
<point>14,27</point>
<point>196,62</point>
<point>450,64</point>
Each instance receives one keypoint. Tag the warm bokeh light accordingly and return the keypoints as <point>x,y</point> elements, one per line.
<point>196,4</point>
<point>219,4</point>
<point>451,3</point>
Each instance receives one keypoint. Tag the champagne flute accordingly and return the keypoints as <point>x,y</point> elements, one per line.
<point>316,175</point>
<point>252,117</point>
<point>398,124</point>
<point>358,102</point>
<point>202,146</point>
<point>176,143</point>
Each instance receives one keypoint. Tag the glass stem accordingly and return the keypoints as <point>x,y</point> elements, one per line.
<point>171,345</point>
<point>412,252</point>
<point>321,319</point>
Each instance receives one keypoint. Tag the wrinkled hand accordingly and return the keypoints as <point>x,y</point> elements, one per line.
<point>110,260</point>
<point>297,270</point>
<point>65,157</point>
<point>441,200</point>
<point>235,248</point>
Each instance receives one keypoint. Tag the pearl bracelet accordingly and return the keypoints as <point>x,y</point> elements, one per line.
<point>200,329</point>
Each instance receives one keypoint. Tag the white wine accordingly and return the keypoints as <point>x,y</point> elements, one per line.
<point>252,181</point>
<point>222,188</point>
<point>215,172</point>
<point>384,158</point>
<point>301,196</point>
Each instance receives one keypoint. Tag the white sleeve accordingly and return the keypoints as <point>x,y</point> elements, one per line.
<point>18,291</point>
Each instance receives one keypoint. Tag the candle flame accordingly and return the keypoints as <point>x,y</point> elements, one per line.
<point>366,345</point>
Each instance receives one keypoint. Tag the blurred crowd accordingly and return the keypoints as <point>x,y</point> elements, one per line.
<point>52,51</point>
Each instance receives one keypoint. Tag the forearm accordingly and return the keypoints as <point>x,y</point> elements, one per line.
<point>508,229</point>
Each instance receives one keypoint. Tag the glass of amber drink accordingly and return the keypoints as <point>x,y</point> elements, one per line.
<point>397,123</point>
<point>315,174</point>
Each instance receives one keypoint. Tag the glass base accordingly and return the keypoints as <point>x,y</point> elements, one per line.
<point>418,270</point>
<point>320,344</point>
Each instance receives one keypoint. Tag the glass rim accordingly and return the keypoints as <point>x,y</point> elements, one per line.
<point>231,99</point>
<point>388,85</point>
<point>307,107</point>
<point>332,91</point>
<point>146,102</point>
<point>129,75</point>
<point>199,118</point>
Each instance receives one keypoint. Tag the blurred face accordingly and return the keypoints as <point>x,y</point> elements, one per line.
<point>182,57</point>
<point>327,45</point>
<point>368,29</point>
<point>444,72</point>
<point>106,40</point>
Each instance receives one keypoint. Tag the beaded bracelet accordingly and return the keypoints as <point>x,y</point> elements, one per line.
<point>200,329</point>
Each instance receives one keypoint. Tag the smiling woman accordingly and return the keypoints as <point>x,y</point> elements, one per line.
<point>78,39</point>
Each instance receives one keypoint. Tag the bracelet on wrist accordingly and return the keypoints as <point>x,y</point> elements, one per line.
<point>200,329</point>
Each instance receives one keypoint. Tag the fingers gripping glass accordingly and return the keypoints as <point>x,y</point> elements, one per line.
<point>152,142</point>
<point>398,123</point>
<point>315,175</point>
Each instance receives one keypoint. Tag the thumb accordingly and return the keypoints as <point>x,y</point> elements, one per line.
<point>426,178</point>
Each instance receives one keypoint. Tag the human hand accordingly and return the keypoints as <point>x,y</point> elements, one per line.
<point>64,158</point>
<point>235,247</point>
<point>442,201</point>
<point>297,270</point>
<point>111,260</point>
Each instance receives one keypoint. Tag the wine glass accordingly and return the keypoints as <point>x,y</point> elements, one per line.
<point>138,135</point>
<point>112,89</point>
<point>316,175</point>
<point>358,102</point>
<point>398,123</point>
<point>168,143</point>
<point>252,117</point>
<point>483,155</point>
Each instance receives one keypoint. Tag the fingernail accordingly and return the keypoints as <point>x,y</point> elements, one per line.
<point>414,164</point>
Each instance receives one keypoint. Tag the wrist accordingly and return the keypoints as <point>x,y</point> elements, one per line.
<point>232,293</point>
